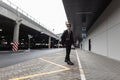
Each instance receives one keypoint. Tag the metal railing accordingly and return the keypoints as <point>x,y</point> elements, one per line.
<point>8,2</point>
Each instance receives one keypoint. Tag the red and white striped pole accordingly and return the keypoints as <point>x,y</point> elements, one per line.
<point>15,46</point>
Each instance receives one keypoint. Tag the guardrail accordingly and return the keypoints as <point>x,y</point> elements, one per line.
<point>21,11</point>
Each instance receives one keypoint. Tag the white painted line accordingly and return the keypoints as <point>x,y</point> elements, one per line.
<point>82,74</point>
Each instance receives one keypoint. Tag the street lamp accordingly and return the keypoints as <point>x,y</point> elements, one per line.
<point>53,30</point>
<point>0,30</point>
<point>42,32</point>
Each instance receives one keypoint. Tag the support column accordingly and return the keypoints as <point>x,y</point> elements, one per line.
<point>49,43</point>
<point>58,43</point>
<point>16,36</point>
<point>29,42</point>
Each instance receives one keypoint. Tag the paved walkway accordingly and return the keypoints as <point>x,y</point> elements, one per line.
<point>49,67</point>
<point>98,67</point>
<point>53,67</point>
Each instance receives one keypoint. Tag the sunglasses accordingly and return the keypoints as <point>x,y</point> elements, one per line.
<point>68,26</point>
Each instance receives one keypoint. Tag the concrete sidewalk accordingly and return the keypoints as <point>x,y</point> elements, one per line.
<point>98,67</point>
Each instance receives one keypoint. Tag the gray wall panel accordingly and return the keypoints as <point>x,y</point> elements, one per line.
<point>105,33</point>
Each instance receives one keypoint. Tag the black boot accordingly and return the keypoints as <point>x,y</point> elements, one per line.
<point>66,60</point>
<point>70,63</point>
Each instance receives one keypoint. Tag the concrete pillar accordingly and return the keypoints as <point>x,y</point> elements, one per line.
<point>49,42</point>
<point>29,42</point>
<point>58,43</point>
<point>16,33</point>
<point>16,36</point>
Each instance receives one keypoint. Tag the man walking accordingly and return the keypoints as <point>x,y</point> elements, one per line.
<point>67,41</point>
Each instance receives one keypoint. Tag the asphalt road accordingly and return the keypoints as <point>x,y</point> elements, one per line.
<point>8,58</point>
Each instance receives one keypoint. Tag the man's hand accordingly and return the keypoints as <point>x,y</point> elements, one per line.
<point>73,47</point>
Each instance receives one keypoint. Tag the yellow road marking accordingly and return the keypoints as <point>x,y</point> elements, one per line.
<point>54,56</point>
<point>45,73</point>
<point>54,63</point>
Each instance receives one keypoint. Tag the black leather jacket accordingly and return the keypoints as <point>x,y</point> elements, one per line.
<point>67,38</point>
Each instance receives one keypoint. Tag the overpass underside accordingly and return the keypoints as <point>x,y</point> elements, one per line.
<point>39,40</point>
<point>27,33</point>
<point>99,21</point>
<point>82,14</point>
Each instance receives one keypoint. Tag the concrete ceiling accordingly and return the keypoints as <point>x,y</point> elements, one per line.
<point>83,13</point>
